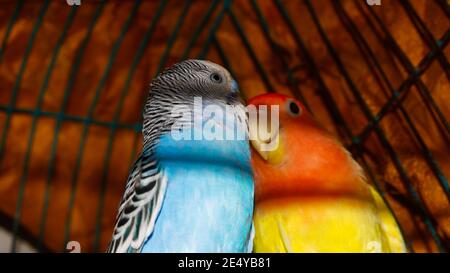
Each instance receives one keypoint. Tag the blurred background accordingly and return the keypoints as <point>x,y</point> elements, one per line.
<point>73,80</point>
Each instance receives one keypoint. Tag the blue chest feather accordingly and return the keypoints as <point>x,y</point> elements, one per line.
<point>208,205</point>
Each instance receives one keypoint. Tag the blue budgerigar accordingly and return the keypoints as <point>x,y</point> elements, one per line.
<point>189,191</point>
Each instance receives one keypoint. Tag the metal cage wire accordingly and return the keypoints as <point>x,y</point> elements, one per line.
<point>209,24</point>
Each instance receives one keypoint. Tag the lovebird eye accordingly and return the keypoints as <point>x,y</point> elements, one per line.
<point>293,108</point>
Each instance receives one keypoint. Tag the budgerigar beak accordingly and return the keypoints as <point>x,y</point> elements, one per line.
<point>267,144</point>
<point>234,86</point>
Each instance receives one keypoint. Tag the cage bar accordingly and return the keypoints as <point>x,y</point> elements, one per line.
<point>210,23</point>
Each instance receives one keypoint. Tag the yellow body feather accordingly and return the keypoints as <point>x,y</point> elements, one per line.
<point>326,224</point>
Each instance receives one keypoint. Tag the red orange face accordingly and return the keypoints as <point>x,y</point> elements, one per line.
<point>307,159</point>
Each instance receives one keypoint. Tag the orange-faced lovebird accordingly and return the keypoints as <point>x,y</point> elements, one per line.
<point>310,194</point>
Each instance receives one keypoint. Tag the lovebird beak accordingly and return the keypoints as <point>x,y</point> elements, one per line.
<point>266,142</point>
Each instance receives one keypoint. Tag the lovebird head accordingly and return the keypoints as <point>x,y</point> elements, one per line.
<point>305,160</point>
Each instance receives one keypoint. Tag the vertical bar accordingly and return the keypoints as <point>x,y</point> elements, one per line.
<point>406,63</point>
<point>394,157</point>
<point>262,73</point>
<point>212,30</point>
<point>444,6</point>
<point>426,35</point>
<point>88,121</point>
<point>16,87</point>
<point>173,36</point>
<point>292,82</point>
<point>362,43</point>
<point>199,29</point>
<point>323,90</point>
<point>223,56</point>
<point>36,114</point>
<point>414,76</point>
<point>370,58</point>
<point>15,91</point>
<point>60,116</point>
<point>11,23</point>
<point>136,60</point>
<point>225,60</point>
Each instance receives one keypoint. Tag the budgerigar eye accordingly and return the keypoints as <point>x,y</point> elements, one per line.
<point>293,108</point>
<point>215,77</point>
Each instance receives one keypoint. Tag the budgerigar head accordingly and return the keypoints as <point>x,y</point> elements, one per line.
<point>192,78</point>
<point>181,83</point>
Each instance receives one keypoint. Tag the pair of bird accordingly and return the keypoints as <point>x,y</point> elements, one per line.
<point>183,195</point>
